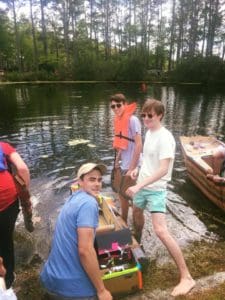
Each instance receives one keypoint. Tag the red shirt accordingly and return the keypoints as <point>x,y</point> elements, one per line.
<point>8,193</point>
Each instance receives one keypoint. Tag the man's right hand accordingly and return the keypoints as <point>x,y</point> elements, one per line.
<point>134,174</point>
<point>104,295</point>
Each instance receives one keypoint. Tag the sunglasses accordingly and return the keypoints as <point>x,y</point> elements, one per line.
<point>150,116</point>
<point>118,105</point>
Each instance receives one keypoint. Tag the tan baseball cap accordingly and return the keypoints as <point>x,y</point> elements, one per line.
<point>88,167</point>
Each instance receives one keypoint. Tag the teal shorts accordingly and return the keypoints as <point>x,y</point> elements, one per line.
<point>153,201</point>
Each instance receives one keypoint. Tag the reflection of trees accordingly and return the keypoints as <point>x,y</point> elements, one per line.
<point>48,118</point>
<point>193,111</point>
<point>216,116</point>
<point>42,119</point>
<point>8,111</point>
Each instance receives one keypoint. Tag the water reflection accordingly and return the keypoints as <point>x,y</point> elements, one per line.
<point>42,120</point>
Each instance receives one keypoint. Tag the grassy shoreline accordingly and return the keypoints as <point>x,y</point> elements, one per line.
<point>99,81</point>
<point>203,258</point>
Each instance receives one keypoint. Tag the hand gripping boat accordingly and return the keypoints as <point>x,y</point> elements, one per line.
<point>121,259</point>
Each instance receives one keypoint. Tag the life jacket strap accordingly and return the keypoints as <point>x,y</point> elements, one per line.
<point>124,137</point>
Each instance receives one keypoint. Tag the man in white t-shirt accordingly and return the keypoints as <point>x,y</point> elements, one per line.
<point>150,191</point>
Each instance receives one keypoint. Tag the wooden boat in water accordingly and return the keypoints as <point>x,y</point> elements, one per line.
<point>199,161</point>
<point>121,258</point>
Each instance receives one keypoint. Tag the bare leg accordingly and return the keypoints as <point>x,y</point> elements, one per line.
<point>124,204</point>
<point>139,221</point>
<point>186,281</point>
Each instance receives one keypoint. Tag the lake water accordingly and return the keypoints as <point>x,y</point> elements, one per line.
<point>57,127</point>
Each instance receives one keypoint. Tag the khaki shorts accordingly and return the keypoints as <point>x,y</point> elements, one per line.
<point>121,182</point>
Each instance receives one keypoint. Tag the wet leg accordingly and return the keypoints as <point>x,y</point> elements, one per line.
<point>124,204</point>
<point>138,216</point>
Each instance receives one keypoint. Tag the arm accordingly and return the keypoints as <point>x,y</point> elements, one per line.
<point>136,154</point>
<point>24,196</point>
<point>89,261</point>
<point>162,171</point>
<point>21,167</point>
<point>219,152</point>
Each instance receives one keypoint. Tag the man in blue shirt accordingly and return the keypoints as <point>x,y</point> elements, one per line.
<point>72,269</point>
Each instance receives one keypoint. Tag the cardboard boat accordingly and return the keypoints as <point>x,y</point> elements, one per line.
<point>121,258</point>
<point>199,161</point>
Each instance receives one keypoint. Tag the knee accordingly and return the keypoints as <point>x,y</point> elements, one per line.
<point>160,232</point>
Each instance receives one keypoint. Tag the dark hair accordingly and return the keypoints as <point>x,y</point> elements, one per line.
<point>118,98</point>
<point>156,105</point>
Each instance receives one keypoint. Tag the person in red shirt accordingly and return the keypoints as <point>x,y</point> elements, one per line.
<point>9,205</point>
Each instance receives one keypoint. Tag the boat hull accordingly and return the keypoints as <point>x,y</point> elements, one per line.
<point>197,152</point>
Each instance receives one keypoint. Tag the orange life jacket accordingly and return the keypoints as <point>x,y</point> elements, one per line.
<point>121,127</point>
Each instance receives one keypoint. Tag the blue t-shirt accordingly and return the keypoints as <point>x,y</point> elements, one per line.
<point>63,273</point>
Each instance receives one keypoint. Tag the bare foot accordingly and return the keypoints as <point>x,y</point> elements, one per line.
<point>2,269</point>
<point>183,287</point>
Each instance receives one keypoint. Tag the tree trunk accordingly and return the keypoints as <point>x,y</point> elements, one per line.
<point>204,29</point>
<point>43,27</point>
<point>107,30</point>
<point>172,36</point>
<point>65,5</point>
<point>213,19</point>
<point>193,27</point>
<point>35,51</point>
<point>180,34</point>
<point>17,42</point>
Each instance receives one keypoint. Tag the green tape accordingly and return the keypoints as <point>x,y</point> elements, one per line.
<point>120,273</point>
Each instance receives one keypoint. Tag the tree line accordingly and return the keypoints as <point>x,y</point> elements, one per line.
<point>112,39</point>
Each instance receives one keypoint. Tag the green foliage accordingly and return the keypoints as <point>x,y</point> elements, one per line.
<point>205,70</point>
<point>5,41</point>
<point>112,40</point>
<point>131,68</point>
<point>30,76</point>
